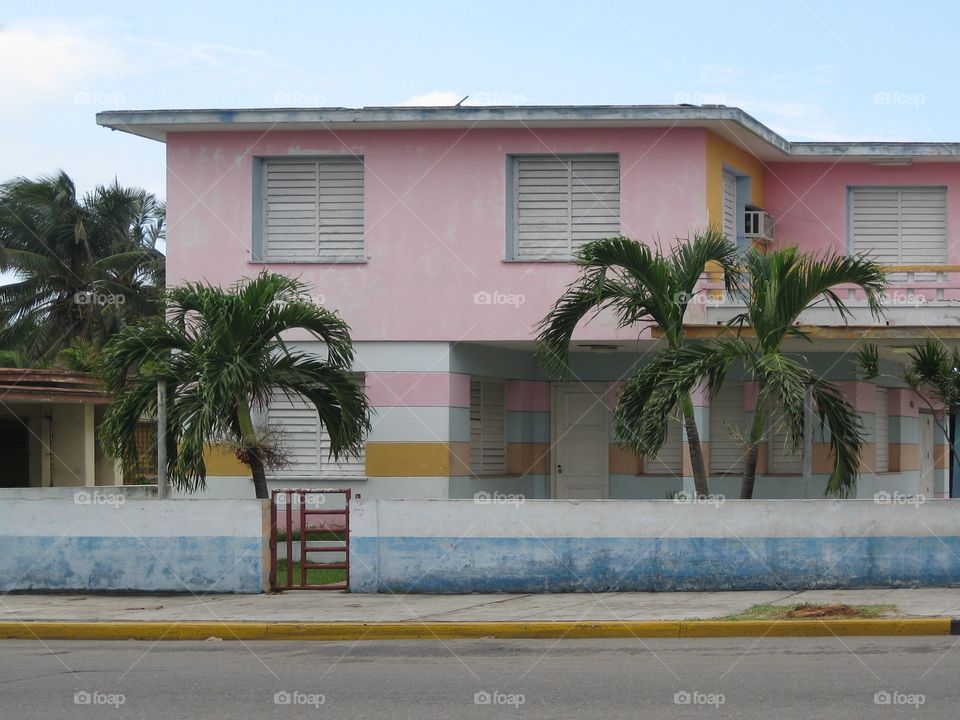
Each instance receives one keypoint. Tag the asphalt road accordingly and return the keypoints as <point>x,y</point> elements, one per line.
<point>835,678</point>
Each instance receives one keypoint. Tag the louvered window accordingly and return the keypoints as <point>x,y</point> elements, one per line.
<point>562,203</point>
<point>669,460</point>
<point>730,205</point>
<point>312,209</point>
<point>728,430</point>
<point>882,431</point>
<point>306,444</point>
<point>488,447</point>
<point>783,460</point>
<point>900,226</point>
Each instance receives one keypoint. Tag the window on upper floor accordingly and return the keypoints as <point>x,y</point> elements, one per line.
<point>730,205</point>
<point>560,203</point>
<point>899,225</point>
<point>310,210</point>
<point>488,423</point>
<point>305,443</point>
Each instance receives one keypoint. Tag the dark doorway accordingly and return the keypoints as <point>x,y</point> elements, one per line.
<point>14,453</point>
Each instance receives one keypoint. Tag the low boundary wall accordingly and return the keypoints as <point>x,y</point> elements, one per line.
<point>447,546</point>
<point>99,541</point>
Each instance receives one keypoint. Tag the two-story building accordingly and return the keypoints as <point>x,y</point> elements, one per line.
<point>443,235</point>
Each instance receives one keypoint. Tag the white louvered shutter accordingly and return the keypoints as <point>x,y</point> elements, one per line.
<point>781,459</point>
<point>313,209</point>
<point>882,425</point>
<point>730,205</point>
<point>900,226</point>
<point>488,446</point>
<point>728,429</point>
<point>669,460</point>
<point>307,446</point>
<point>562,203</point>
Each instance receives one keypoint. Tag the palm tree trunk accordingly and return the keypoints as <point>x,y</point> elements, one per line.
<point>701,482</point>
<point>753,450</point>
<point>249,435</point>
<point>259,476</point>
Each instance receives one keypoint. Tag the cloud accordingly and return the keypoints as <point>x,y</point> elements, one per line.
<point>434,97</point>
<point>48,65</point>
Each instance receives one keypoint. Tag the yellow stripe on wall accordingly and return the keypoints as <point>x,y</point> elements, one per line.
<point>222,460</point>
<point>418,459</point>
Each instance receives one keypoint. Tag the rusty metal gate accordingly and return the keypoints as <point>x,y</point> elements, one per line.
<point>307,522</point>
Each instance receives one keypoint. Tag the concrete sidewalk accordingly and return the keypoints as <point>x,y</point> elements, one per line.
<point>337,607</point>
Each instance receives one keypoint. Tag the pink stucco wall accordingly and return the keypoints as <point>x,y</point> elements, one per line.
<point>435,210</point>
<point>809,200</point>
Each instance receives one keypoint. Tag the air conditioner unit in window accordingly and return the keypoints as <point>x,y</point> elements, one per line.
<point>758,225</point>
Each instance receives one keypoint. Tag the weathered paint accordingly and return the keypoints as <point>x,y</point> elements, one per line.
<point>102,542</point>
<point>561,546</point>
<point>721,154</point>
<point>809,200</point>
<point>443,241</point>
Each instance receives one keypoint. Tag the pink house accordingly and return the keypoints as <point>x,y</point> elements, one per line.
<point>443,235</point>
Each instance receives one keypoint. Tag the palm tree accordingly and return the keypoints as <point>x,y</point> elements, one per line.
<point>85,267</point>
<point>932,371</point>
<point>778,287</point>
<point>639,285</point>
<point>222,355</point>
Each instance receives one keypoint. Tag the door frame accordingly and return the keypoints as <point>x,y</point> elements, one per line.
<point>921,453</point>
<point>556,389</point>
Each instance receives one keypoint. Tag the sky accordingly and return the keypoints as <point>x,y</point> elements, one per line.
<point>809,70</point>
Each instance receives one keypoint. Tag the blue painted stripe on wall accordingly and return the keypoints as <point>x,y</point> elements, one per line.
<point>519,565</point>
<point>528,426</point>
<point>111,564</point>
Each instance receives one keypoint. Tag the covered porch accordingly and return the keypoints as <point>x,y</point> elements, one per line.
<point>532,437</point>
<point>49,426</point>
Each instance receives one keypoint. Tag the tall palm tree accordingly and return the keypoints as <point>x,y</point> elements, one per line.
<point>778,286</point>
<point>222,355</point>
<point>933,373</point>
<point>85,266</point>
<point>641,286</point>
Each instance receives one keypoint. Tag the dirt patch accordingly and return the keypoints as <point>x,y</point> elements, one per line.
<point>821,611</point>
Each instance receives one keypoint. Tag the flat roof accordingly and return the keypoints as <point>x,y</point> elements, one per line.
<point>51,386</point>
<point>731,123</point>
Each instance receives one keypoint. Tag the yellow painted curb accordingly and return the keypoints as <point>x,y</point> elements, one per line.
<point>412,630</point>
<point>815,628</point>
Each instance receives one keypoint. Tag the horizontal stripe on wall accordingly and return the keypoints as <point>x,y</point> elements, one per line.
<point>531,427</point>
<point>529,486</point>
<point>528,395</point>
<point>903,403</point>
<point>904,430</point>
<point>222,460</point>
<point>456,564</point>
<point>904,457</point>
<point>119,564</point>
<point>525,458</point>
<point>624,461</point>
<point>417,459</point>
<point>861,395</point>
<point>418,389</point>
<point>648,487</point>
<point>420,424</point>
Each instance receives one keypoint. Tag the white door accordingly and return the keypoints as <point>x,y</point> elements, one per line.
<point>580,441</point>
<point>925,482</point>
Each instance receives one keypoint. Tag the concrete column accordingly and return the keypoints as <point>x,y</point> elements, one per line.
<point>89,446</point>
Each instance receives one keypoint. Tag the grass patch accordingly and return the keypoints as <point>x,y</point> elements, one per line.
<point>314,576</point>
<point>767,611</point>
<point>312,535</point>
